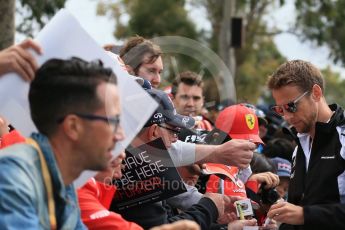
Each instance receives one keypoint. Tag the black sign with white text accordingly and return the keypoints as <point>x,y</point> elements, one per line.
<point>148,176</point>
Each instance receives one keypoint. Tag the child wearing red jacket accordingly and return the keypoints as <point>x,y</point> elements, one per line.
<point>238,122</point>
<point>95,198</point>
<point>8,135</point>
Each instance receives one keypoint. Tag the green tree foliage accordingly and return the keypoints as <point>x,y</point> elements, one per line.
<point>33,14</point>
<point>322,21</point>
<point>254,61</point>
<point>36,12</point>
<point>259,56</point>
<point>335,87</point>
<point>150,18</point>
<point>251,75</point>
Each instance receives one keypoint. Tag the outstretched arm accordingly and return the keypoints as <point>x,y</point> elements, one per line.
<point>234,152</point>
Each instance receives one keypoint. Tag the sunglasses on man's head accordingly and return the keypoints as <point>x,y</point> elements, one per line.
<point>291,107</point>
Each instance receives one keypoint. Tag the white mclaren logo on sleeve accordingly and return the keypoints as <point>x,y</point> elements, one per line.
<point>99,214</point>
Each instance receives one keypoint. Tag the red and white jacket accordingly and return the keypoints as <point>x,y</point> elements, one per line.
<point>94,202</point>
<point>11,138</point>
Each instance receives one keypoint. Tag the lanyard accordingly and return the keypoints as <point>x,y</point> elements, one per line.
<point>47,183</point>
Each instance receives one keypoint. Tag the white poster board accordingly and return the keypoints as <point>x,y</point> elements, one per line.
<point>63,37</point>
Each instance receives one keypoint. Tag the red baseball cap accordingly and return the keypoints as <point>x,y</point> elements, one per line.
<point>239,122</point>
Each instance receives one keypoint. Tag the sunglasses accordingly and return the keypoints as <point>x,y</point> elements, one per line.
<point>175,131</point>
<point>113,121</point>
<point>291,107</point>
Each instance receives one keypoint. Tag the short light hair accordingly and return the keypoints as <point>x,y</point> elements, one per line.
<point>298,73</point>
<point>134,51</point>
<point>189,78</point>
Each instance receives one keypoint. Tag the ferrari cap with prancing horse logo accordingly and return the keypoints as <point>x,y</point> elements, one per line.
<point>239,122</point>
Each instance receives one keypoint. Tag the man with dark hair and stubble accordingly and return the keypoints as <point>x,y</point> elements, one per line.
<point>188,97</point>
<point>75,107</point>
<point>316,195</point>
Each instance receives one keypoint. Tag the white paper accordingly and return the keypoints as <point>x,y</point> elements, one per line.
<point>250,227</point>
<point>63,38</point>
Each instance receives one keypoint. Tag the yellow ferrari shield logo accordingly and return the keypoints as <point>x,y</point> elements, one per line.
<point>250,120</point>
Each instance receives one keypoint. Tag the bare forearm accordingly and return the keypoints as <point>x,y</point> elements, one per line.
<point>235,152</point>
<point>205,154</point>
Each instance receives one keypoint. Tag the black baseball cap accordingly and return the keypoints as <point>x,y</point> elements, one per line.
<point>166,112</point>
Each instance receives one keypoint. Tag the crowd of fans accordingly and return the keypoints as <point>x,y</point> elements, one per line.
<point>287,162</point>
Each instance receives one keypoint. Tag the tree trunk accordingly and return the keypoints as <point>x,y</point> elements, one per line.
<point>7,26</point>
<point>225,50</point>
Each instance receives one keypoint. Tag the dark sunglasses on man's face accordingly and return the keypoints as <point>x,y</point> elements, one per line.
<point>291,107</point>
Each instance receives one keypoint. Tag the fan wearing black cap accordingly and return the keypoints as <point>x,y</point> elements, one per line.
<point>143,58</point>
<point>165,123</point>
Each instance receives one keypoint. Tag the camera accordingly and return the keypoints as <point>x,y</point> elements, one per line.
<point>268,196</point>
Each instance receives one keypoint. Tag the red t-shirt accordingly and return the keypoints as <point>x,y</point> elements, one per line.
<point>94,201</point>
<point>11,138</point>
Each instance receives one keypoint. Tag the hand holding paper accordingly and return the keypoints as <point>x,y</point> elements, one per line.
<point>64,38</point>
<point>17,58</point>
